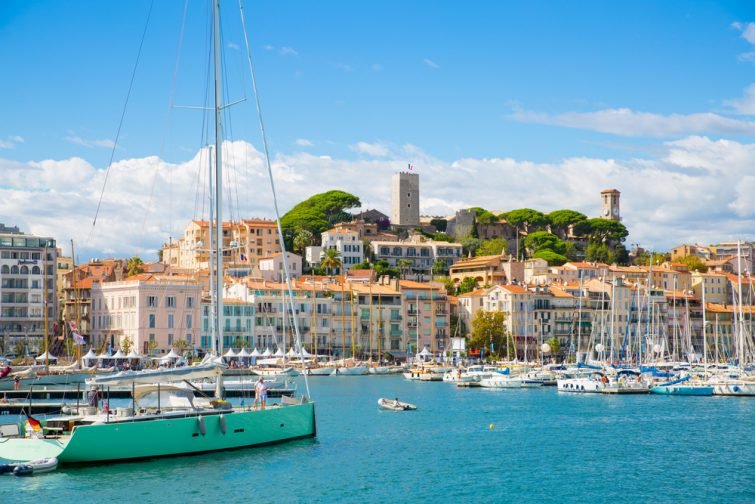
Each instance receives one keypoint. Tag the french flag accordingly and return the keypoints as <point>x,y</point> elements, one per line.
<point>411,167</point>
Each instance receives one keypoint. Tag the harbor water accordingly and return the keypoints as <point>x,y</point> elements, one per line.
<point>462,445</point>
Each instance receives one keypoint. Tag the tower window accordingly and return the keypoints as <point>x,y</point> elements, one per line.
<point>408,205</point>
<point>408,195</point>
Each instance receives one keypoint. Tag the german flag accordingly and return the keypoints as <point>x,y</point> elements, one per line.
<point>35,424</point>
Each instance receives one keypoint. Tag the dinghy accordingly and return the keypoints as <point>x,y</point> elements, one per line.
<point>395,405</point>
<point>38,466</point>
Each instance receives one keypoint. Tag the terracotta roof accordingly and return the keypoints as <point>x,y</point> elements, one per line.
<point>474,293</point>
<point>514,289</point>
<point>559,292</point>
<point>411,284</point>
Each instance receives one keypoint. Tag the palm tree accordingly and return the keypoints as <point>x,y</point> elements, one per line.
<point>331,261</point>
<point>404,265</point>
<point>134,266</point>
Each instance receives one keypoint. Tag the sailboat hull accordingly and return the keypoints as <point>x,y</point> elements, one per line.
<point>169,436</point>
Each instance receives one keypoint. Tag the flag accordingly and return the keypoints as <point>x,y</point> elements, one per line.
<point>74,327</point>
<point>243,257</point>
<point>78,338</point>
<point>411,166</point>
<point>33,423</point>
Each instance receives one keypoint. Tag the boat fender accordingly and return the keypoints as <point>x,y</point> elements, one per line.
<point>23,470</point>
<point>222,424</point>
<point>736,388</point>
<point>202,426</point>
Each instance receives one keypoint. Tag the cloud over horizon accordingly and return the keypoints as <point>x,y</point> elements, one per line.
<point>697,190</point>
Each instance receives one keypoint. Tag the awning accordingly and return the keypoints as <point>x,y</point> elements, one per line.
<point>159,375</point>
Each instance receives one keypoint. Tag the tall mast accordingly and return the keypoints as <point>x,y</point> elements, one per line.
<point>44,307</point>
<point>705,339</point>
<point>740,314</point>
<point>218,190</point>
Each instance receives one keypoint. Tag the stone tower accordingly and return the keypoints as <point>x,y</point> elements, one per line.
<point>405,199</point>
<point>609,204</point>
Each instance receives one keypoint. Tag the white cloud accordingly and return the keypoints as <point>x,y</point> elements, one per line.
<point>430,63</point>
<point>105,143</point>
<point>287,51</point>
<point>303,142</point>
<point>627,122</point>
<point>11,142</point>
<point>748,33</point>
<point>374,149</point>
<point>746,104</point>
<point>696,190</point>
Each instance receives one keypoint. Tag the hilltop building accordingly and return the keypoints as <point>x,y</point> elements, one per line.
<point>405,200</point>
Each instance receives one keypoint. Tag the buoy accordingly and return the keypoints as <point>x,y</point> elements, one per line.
<point>491,426</point>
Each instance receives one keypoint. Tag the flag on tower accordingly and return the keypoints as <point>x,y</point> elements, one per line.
<point>411,167</point>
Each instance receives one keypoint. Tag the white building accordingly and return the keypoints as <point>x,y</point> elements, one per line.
<point>347,243</point>
<point>28,270</point>
<point>271,267</point>
<point>419,252</point>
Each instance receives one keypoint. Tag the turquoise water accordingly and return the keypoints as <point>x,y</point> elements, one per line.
<point>544,446</point>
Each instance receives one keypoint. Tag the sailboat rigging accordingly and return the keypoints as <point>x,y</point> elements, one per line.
<point>181,423</point>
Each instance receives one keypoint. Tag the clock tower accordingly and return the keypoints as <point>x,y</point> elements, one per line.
<point>609,204</point>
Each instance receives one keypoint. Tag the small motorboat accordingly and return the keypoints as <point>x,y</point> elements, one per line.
<point>31,467</point>
<point>395,405</point>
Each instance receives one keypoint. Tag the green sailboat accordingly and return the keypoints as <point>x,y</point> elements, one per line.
<point>165,419</point>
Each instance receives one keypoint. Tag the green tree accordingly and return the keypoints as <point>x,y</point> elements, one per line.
<point>331,261</point>
<point>483,216</point>
<point>127,343</point>
<point>303,238</point>
<point>442,237</point>
<point>317,214</point>
<point>570,251</point>
<point>553,258</point>
<point>440,225</point>
<point>181,345</point>
<point>488,329</point>
<point>526,219</point>
<point>364,265</point>
<point>598,252</point>
<point>605,230</point>
<point>467,285</point>
<point>495,246</point>
<point>449,286</point>
<point>694,263</point>
<point>383,268</point>
<point>440,268</point>
<point>555,345</point>
<point>542,240</point>
<point>469,245</point>
<point>562,219</point>
<point>151,347</point>
<point>134,266</point>
<point>404,265</point>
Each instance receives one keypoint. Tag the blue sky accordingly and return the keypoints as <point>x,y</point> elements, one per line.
<point>498,104</point>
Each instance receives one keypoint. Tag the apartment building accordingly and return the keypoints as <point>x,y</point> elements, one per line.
<point>419,254</point>
<point>152,311</point>
<point>28,284</point>
<point>244,243</point>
